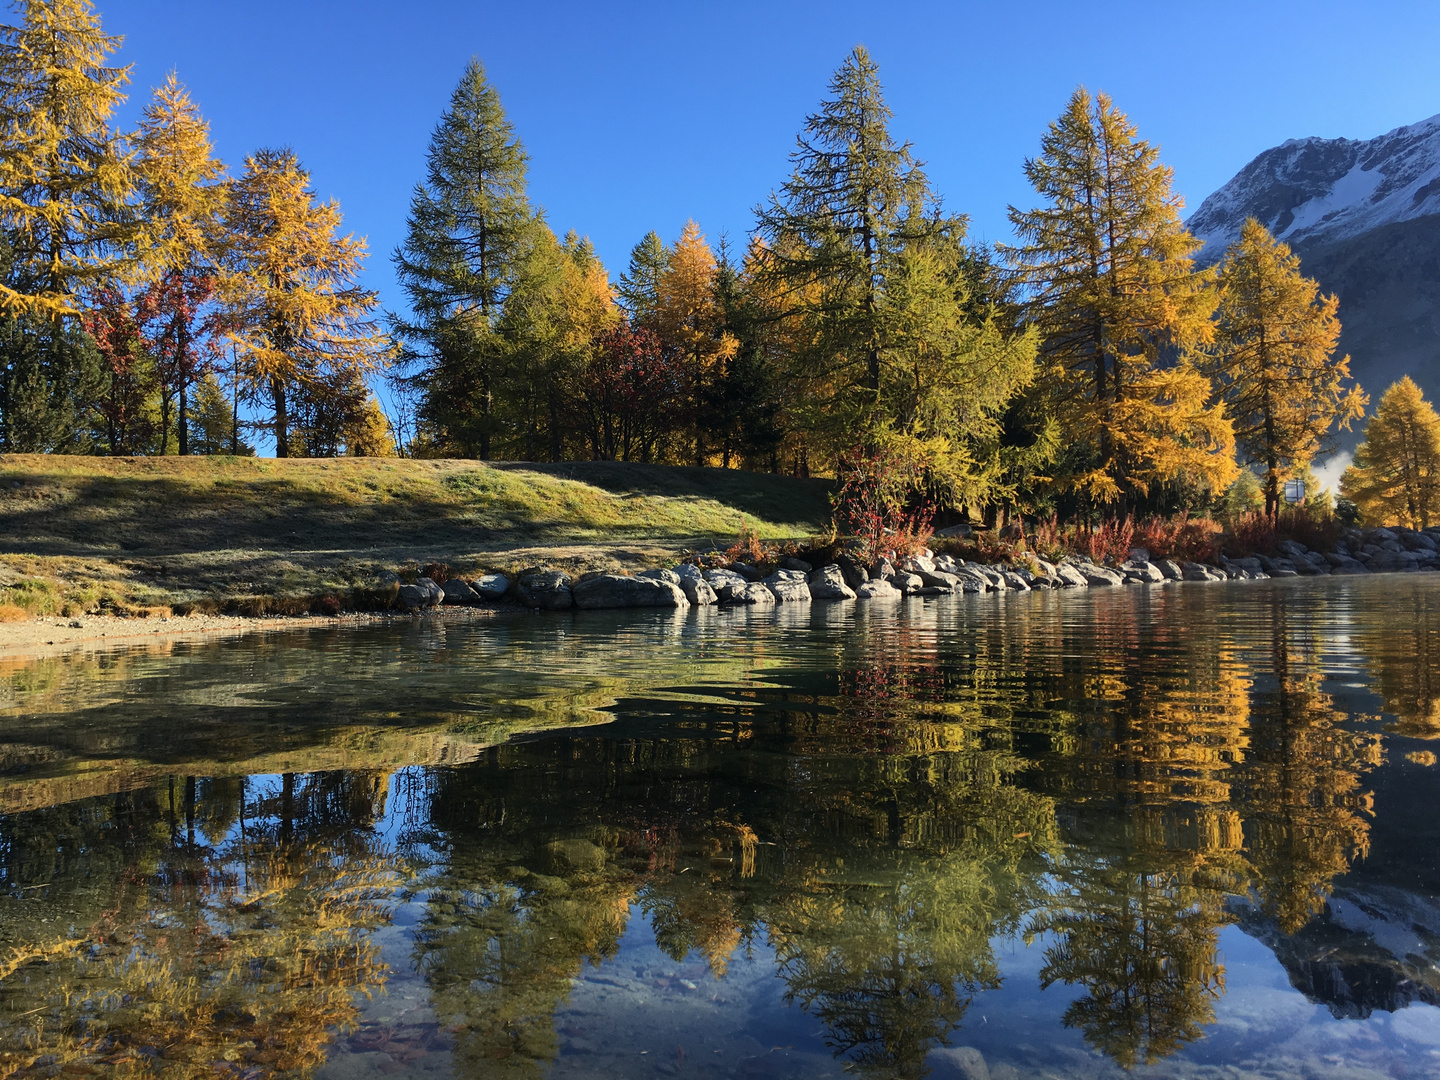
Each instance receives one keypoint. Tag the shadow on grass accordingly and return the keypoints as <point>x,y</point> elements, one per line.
<point>59,512</point>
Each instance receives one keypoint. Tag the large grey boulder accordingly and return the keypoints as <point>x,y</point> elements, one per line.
<point>1170,569</point>
<point>828,583</point>
<point>855,574</point>
<point>788,586</point>
<point>699,592</point>
<point>908,583</point>
<point>1013,580</point>
<point>548,590</point>
<point>965,1062</point>
<point>661,575</point>
<point>417,597</point>
<point>877,589</point>
<point>1195,571</point>
<point>792,563</point>
<point>988,574</point>
<point>1292,548</point>
<point>745,570</point>
<point>618,591</point>
<point>456,592</point>
<point>1070,576</point>
<point>720,578</point>
<point>748,592</point>
<point>938,578</point>
<point>1142,570</point>
<point>966,580</point>
<point>917,564</point>
<point>491,586</point>
<point>1097,575</point>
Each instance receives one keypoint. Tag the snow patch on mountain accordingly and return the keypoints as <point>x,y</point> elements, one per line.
<point>1309,191</point>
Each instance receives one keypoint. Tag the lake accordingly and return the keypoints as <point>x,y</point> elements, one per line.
<point>1179,831</point>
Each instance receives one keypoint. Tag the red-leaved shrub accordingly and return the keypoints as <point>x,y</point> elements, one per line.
<point>1183,538</point>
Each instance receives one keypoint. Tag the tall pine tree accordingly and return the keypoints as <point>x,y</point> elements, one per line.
<point>65,185</point>
<point>859,253</point>
<point>640,284</point>
<point>1114,293</point>
<point>301,326</point>
<point>468,232</point>
<point>1274,360</point>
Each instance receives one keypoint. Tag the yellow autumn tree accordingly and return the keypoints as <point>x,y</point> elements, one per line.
<point>1396,475</point>
<point>1274,359</point>
<point>299,322</point>
<point>65,176</point>
<point>182,201</point>
<point>691,323</point>
<point>1120,308</point>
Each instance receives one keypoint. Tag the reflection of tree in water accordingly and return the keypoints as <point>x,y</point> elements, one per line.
<point>876,840</point>
<point>210,937</point>
<point>1140,931</point>
<point>1301,787</point>
<point>1404,663</point>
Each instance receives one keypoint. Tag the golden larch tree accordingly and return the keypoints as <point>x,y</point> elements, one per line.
<point>689,321</point>
<point>1396,475</point>
<point>1114,293</point>
<point>182,200</point>
<point>298,320</point>
<point>1273,359</point>
<point>65,175</point>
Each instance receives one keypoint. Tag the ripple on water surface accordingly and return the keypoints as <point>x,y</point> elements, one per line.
<point>1179,831</point>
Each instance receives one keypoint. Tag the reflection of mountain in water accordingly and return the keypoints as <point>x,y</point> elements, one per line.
<point>1368,951</point>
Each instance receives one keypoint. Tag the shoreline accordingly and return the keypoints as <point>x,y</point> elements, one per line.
<point>52,636</point>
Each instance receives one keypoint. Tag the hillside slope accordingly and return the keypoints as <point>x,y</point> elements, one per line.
<point>215,529</point>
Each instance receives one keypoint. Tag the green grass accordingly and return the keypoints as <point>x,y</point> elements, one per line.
<point>79,533</point>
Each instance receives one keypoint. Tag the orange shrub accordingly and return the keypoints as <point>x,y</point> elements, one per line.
<point>1182,538</point>
<point>12,613</point>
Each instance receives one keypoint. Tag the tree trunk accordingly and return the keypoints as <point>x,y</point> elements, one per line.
<point>487,404</point>
<point>282,420</point>
<point>182,431</point>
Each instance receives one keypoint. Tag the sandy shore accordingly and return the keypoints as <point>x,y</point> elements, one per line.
<point>51,636</point>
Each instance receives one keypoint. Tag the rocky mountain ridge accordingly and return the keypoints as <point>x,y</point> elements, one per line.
<point>1319,191</point>
<point>1364,217</point>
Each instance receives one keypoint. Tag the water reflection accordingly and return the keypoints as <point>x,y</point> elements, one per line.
<point>206,849</point>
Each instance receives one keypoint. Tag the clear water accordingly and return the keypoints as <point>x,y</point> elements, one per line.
<point>1184,831</point>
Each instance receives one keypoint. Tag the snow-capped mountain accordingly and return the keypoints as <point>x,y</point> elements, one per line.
<point>1315,191</point>
<point>1364,217</point>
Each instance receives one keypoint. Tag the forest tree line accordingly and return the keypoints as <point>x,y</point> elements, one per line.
<point>152,303</point>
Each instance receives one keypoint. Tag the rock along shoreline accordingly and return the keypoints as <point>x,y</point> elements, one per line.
<point>715,581</point>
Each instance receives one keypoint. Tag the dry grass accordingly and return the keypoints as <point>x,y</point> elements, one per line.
<point>261,536</point>
<point>12,613</point>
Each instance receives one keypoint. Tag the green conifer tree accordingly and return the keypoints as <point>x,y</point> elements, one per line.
<point>639,290</point>
<point>859,253</point>
<point>469,228</point>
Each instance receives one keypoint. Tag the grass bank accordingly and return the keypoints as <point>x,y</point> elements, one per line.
<point>257,535</point>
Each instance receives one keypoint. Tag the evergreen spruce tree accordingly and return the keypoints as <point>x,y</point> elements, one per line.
<point>65,182</point>
<point>1274,360</point>
<point>1113,291</point>
<point>182,201</point>
<point>1396,475</point>
<point>860,256</point>
<point>301,327</point>
<point>469,228</point>
<point>640,284</point>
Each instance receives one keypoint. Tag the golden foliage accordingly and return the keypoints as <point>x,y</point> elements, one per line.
<point>1396,475</point>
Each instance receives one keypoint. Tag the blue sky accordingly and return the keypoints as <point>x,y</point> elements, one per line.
<point>641,115</point>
